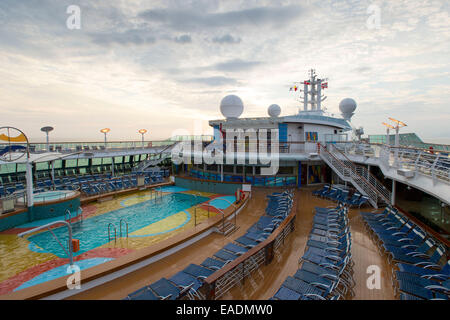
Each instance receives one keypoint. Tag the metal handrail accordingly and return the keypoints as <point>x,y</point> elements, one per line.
<point>47,226</point>
<point>67,212</point>
<point>364,172</point>
<point>355,176</point>
<point>115,232</point>
<point>120,226</point>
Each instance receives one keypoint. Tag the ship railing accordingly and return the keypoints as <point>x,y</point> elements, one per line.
<point>242,268</point>
<point>431,163</point>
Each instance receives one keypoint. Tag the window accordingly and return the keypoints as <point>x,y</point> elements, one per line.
<point>118,160</point>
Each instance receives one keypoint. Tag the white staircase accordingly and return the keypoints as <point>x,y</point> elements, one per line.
<point>359,176</point>
<point>163,154</point>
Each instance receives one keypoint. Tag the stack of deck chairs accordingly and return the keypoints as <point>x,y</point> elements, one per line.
<point>326,267</point>
<point>186,283</point>
<point>340,195</point>
<point>420,265</point>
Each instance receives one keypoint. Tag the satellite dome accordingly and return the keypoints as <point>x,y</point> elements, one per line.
<point>347,108</point>
<point>274,110</point>
<point>231,106</point>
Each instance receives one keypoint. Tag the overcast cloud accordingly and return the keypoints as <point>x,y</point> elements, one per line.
<point>162,65</point>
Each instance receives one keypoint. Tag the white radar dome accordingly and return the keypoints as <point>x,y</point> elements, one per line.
<point>231,106</point>
<point>347,108</point>
<point>274,110</point>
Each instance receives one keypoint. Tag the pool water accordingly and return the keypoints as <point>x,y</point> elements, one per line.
<point>221,202</point>
<point>51,195</point>
<point>93,232</point>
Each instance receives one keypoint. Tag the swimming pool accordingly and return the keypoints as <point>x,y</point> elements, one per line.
<point>50,196</point>
<point>93,232</point>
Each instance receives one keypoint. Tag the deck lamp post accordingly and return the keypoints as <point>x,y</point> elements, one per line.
<point>388,126</point>
<point>142,132</point>
<point>399,125</point>
<point>47,130</point>
<point>105,131</point>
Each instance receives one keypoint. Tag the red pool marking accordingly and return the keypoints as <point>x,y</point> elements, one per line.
<point>15,281</point>
<point>16,230</point>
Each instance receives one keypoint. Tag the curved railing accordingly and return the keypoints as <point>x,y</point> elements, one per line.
<point>237,271</point>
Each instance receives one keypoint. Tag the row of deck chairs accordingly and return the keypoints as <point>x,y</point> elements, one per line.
<point>420,268</point>
<point>341,195</point>
<point>187,283</point>
<point>117,183</point>
<point>326,271</point>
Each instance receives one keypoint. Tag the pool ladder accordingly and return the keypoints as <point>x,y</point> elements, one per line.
<point>69,214</point>
<point>109,232</point>
<point>120,226</point>
<point>115,229</point>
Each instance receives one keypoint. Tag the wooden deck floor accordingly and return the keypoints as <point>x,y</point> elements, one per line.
<point>266,281</point>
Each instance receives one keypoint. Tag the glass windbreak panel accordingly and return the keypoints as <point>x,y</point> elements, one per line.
<point>21,167</point>
<point>7,168</point>
<point>96,161</point>
<point>118,160</point>
<point>42,166</point>
<point>126,159</point>
<point>57,164</point>
<point>107,160</point>
<point>71,163</point>
<point>83,162</point>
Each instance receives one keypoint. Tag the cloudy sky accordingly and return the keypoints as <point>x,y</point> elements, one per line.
<point>165,65</point>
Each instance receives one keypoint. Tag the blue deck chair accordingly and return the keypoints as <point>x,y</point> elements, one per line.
<point>145,293</point>
<point>354,200</point>
<point>247,242</point>
<point>213,264</point>
<point>285,293</point>
<point>164,287</point>
<point>225,255</point>
<point>188,283</point>
<point>319,282</point>
<point>257,236</point>
<point>422,292</point>
<point>321,191</point>
<point>303,288</point>
<point>362,201</point>
<point>342,197</point>
<point>235,249</point>
<point>198,271</point>
<point>419,259</point>
<point>405,296</point>
<point>425,271</point>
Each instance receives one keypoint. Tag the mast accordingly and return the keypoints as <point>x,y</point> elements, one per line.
<point>312,92</point>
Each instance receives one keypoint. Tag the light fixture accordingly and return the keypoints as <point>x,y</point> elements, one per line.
<point>47,130</point>
<point>142,132</point>
<point>105,131</point>
<point>399,123</point>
